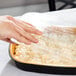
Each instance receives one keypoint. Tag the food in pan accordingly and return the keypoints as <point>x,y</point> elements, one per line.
<point>57,46</point>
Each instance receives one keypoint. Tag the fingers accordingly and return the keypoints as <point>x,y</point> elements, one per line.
<point>30,29</point>
<point>23,30</point>
<point>19,38</point>
<point>27,27</point>
<point>22,36</point>
<point>27,35</point>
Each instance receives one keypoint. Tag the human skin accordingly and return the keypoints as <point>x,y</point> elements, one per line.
<point>17,29</point>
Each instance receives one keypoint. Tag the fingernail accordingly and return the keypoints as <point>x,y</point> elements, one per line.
<point>36,41</point>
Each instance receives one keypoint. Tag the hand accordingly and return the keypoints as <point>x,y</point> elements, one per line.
<point>17,29</point>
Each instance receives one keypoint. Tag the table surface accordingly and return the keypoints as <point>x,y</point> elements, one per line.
<point>7,66</point>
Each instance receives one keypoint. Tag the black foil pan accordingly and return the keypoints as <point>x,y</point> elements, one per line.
<point>42,68</point>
